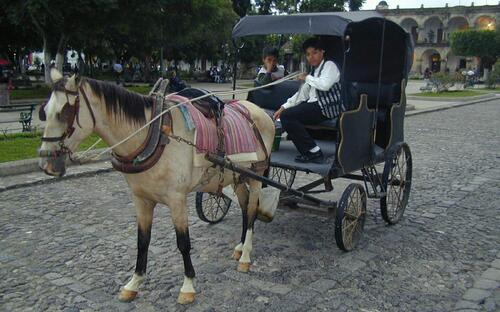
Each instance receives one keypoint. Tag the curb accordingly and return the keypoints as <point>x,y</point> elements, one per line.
<point>50,180</point>
<point>445,107</point>
<point>31,165</point>
<point>450,99</point>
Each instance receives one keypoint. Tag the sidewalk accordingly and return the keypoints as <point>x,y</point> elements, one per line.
<point>9,180</point>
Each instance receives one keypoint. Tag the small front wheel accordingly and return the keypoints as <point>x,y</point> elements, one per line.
<point>350,217</point>
<point>212,208</point>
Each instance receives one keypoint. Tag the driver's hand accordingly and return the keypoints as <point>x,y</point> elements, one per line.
<point>302,76</point>
<point>277,113</point>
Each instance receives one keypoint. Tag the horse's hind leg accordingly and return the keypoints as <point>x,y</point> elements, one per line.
<point>144,210</point>
<point>251,212</point>
<point>241,192</point>
<point>179,211</point>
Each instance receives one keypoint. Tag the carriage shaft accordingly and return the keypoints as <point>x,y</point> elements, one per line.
<point>220,161</point>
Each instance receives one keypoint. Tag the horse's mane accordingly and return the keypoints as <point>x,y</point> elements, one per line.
<point>121,101</point>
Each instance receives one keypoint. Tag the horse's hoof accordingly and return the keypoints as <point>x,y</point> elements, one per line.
<point>237,255</point>
<point>127,295</point>
<point>185,298</point>
<point>244,267</point>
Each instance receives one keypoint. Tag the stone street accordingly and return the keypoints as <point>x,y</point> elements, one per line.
<point>71,245</point>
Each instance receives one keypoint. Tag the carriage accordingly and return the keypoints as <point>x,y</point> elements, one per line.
<point>374,56</point>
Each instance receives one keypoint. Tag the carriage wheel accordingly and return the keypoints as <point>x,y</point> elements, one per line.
<point>396,180</point>
<point>282,175</point>
<point>212,208</point>
<point>350,217</point>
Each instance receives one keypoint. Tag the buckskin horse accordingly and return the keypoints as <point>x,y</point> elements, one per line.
<point>79,107</point>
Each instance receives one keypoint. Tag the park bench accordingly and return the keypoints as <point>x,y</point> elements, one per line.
<point>25,114</point>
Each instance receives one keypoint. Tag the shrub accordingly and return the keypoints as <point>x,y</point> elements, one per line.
<point>494,76</point>
<point>442,82</point>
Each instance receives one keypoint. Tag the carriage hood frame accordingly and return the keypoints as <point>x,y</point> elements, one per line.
<point>364,31</point>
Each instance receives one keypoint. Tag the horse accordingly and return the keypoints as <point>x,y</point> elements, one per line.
<point>113,113</point>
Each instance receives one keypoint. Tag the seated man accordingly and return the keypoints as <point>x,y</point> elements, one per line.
<point>318,99</point>
<point>270,71</point>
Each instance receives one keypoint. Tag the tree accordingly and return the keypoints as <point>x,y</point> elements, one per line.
<point>56,22</point>
<point>242,7</point>
<point>329,5</point>
<point>18,36</point>
<point>484,44</point>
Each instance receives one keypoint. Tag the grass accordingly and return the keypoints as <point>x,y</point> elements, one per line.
<point>44,92</point>
<point>25,145</point>
<point>36,93</point>
<point>140,89</point>
<point>461,93</point>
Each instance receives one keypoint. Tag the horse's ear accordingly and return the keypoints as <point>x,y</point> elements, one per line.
<point>72,83</point>
<point>55,75</point>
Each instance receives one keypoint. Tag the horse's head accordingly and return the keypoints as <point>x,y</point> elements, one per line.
<point>65,127</point>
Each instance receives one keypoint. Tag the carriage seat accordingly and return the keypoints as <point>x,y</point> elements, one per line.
<point>389,94</point>
<point>273,97</point>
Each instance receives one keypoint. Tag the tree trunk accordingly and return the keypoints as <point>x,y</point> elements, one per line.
<point>47,57</point>
<point>147,69</point>
<point>22,66</point>
<point>81,64</point>
<point>60,53</point>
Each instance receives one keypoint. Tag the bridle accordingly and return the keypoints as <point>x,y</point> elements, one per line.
<point>67,115</point>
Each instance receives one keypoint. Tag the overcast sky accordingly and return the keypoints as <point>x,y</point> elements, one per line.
<point>371,4</point>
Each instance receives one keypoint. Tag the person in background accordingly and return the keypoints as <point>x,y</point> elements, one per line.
<point>175,83</point>
<point>270,71</point>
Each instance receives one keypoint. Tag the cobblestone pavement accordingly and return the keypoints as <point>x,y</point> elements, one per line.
<point>70,245</point>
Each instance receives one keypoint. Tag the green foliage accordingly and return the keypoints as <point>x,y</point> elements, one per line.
<point>441,82</point>
<point>35,93</point>
<point>481,43</point>
<point>322,5</point>
<point>23,146</point>
<point>493,77</point>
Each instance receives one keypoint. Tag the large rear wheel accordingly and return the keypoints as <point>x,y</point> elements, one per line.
<point>396,180</point>
<point>350,217</point>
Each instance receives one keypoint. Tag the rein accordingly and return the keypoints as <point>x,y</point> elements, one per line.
<point>221,93</point>
<point>68,115</point>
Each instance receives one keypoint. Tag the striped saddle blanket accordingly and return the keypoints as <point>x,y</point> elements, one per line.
<point>239,138</point>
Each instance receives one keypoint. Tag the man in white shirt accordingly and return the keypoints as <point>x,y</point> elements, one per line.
<point>318,99</point>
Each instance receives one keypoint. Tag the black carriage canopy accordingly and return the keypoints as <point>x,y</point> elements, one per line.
<point>370,37</point>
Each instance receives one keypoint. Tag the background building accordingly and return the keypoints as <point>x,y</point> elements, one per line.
<point>431,28</point>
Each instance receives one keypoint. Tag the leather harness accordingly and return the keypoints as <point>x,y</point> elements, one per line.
<point>150,151</point>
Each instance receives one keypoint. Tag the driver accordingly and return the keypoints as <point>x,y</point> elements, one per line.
<point>317,100</point>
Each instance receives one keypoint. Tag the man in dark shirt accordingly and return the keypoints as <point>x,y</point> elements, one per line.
<point>270,71</point>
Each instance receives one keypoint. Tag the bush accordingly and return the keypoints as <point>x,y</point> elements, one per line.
<point>493,77</point>
<point>442,82</point>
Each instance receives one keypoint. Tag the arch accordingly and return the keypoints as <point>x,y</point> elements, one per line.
<point>431,58</point>
<point>485,22</point>
<point>411,26</point>
<point>457,23</point>
<point>433,30</point>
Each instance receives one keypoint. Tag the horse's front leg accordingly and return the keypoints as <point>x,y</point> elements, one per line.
<point>144,209</point>
<point>251,212</point>
<point>179,211</point>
